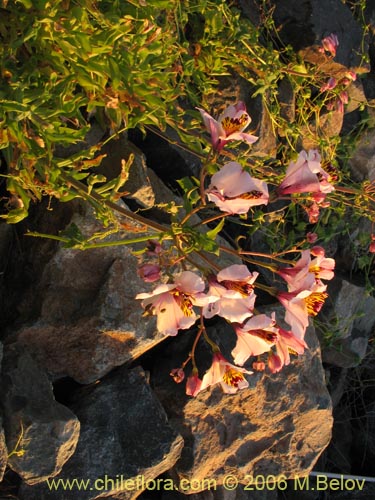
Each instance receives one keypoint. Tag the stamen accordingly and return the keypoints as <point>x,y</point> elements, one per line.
<point>292,351</point>
<point>251,195</point>
<point>231,125</point>
<point>314,302</point>
<point>149,311</point>
<point>245,289</point>
<point>232,377</point>
<point>184,302</point>
<point>315,269</point>
<point>270,337</point>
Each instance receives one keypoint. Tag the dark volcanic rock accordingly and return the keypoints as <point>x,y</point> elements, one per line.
<point>41,434</point>
<point>124,436</point>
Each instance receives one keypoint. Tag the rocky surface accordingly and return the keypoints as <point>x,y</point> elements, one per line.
<point>277,426</point>
<point>70,317</point>
<point>347,324</point>
<point>124,436</point>
<point>89,318</point>
<point>3,447</point>
<point>41,434</point>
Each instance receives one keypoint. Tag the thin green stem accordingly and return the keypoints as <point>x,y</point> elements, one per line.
<point>83,190</point>
<point>210,219</point>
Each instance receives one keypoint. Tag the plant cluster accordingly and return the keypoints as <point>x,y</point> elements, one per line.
<point>147,64</point>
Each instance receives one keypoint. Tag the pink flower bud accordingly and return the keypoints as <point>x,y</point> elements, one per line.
<point>318,251</point>
<point>259,366</point>
<point>311,237</point>
<point>329,85</point>
<point>178,375</point>
<point>330,44</point>
<point>153,247</point>
<point>149,272</point>
<point>372,247</point>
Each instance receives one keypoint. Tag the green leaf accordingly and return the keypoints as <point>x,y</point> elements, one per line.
<point>214,232</point>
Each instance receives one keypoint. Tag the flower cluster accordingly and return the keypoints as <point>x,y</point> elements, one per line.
<point>230,292</point>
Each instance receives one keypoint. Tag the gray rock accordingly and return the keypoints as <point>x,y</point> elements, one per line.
<point>41,434</point>
<point>138,184</point>
<point>90,320</point>
<point>362,161</point>
<point>346,324</point>
<point>125,436</point>
<point>303,24</point>
<point>3,447</point>
<point>279,425</point>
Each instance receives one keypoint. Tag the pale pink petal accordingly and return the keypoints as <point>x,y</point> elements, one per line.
<point>274,363</point>
<point>158,290</point>
<point>189,283</point>
<point>242,136</point>
<point>236,310</point>
<point>237,272</point>
<point>236,206</point>
<point>248,345</point>
<point>193,385</point>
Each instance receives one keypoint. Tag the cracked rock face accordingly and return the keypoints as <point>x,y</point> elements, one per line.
<point>124,435</point>
<point>279,425</point>
<point>41,433</point>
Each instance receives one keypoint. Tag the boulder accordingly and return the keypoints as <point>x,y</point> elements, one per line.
<point>346,324</point>
<point>279,425</point>
<point>125,441</point>
<point>3,446</point>
<point>362,161</point>
<point>41,434</point>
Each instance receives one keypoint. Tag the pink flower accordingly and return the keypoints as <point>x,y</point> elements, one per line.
<point>149,272</point>
<point>371,248</point>
<point>302,303</point>
<point>289,343</point>
<point>254,337</point>
<point>274,362</point>
<point>193,385</point>
<point>233,190</point>
<point>330,44</point>
<point>234,294</point>
<point>306,271</point>
<point>173,303</point>
<point>230,377</point>
<point>306,175</point>
<point>229,126</point>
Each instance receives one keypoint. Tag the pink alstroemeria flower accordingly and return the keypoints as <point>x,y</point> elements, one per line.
<point>302,303</point>
<point>254,337</point>
<point>234,292</point>
<point>330,44</point>
<point>288,344</point>
<point>173,303</point>
<point>233,190</point>
<point>230,377</point>
<point>229,126</point>
<point>306,271</point>
<point>306,175</point>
